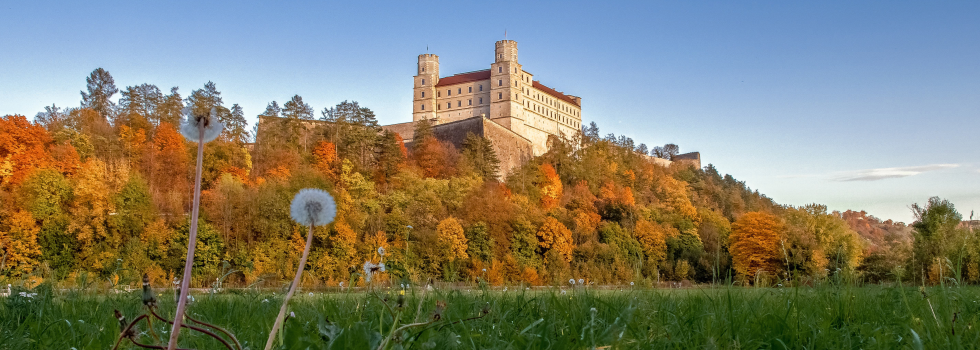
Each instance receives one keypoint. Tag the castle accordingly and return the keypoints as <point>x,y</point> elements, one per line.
<point>504,104</point>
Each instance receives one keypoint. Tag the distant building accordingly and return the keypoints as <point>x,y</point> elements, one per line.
<point>504,104</point>
<point>505,94</point>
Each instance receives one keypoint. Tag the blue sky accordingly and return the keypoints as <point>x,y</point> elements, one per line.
<point>857,105</point>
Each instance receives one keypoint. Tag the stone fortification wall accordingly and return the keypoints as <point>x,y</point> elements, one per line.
<point>512,149</point>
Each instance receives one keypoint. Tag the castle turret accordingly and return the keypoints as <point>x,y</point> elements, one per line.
<point>508,82</point>
<point>424,106</point>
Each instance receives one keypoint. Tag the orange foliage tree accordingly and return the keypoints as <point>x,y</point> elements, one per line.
<point>755,244</point>
<point>22,148</point>
<point>325,158</point>
<point>555,236</point>
<point>551,188</point>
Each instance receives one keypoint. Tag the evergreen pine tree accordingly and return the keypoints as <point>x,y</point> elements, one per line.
<point>101,87</point>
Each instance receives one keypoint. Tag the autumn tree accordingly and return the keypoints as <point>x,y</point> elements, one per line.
<point>755,244</point>
<point>452,240</point>
<point>23,148</point>
<point>653,240</point>
<point>325,159</point>
<point>554,236</point>
<point>551,187</point>
<point>19,248</point>
<point>818,241</point>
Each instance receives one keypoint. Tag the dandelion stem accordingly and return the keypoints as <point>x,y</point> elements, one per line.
<point>292,288</point>
<point>191,243</point>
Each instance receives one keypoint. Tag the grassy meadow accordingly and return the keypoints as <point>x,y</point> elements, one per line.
<point>823,317</point>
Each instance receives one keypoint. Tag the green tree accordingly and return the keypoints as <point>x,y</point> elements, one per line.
<point>236,127</point>
<point>201,101</point>
<point>101,87</point>
<point>170,108</point>
<point>937,243</point>
<point>479,154</point>
<point>480,243</point>
<point>524,243</point>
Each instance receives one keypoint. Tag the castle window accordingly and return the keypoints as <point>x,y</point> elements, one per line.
<point>423,93</point>
<point>423,80</point>
<point>423,107</point>
<point>438,94</point>
<point>481,100</point>
<point>471,89</point>
<point>449,92</point>
<point>500,82</point>
<point>481,87</point>
<point>459,103</point>
<point>449,105</point>
<point>500,69</point>
<point>469,102</point>
<point>500,96</point>
<point>459,91</point>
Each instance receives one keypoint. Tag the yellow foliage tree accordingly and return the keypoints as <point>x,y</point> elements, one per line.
<point>19,245</point>
<point>674,195</point>
<point>452,240</point>
<point>90,215</point>
<point>755,244</point>
<point>653,239</point>
<point>555,236</point>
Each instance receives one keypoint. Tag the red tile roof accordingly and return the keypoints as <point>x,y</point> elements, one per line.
<point>464,78</point>
<point>552,92</point>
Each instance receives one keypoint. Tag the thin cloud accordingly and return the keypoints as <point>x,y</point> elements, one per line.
<point>891,173</point>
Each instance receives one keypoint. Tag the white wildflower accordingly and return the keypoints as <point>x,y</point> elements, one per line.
<point>292,314</point>
<point>313,207</point>
<point>381,251</point>
<point>191,127</point>
<point>484,270</point>
<point>311,294</point>
<point>571,281</point>
<point>581,281</point>
<point>371,268</point>
<point>631,283</point>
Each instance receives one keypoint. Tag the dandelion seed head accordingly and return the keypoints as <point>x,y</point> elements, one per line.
<point>581,281</point>
<point>571,281</point>
<point>191,127</point>
<point>381,251</point>
<point>631,283</point>
<point>292,314</point>
<point>313,207</point>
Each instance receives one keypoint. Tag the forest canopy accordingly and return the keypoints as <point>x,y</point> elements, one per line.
<point>104,190</point>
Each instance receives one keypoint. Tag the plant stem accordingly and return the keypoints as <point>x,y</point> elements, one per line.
<point>292,289</point>
<point>191,243</point>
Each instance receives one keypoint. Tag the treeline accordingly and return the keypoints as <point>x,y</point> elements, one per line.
<point>103,191</point>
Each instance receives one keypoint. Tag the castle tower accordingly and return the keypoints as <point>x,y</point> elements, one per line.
<point>424,106</point>
<point>507,81</point>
